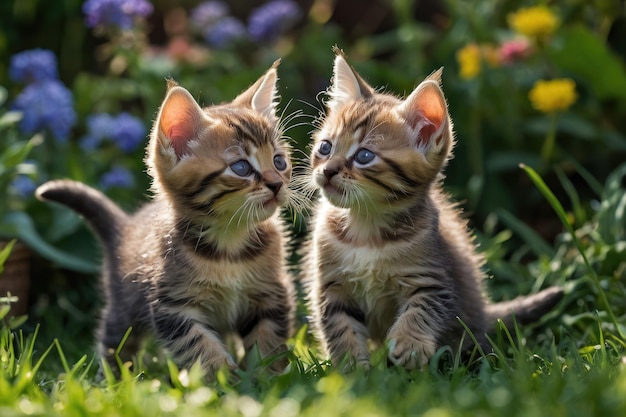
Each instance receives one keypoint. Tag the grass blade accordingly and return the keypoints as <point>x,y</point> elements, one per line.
<point>532,238</point>
<point>579,212</point>
<point>560,212</point>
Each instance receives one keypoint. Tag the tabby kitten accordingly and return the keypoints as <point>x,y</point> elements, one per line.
<point>390,257</point>
<point>206,257</point>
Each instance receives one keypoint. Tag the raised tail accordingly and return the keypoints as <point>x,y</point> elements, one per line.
<point>525,309</point>
<point>102,214</point>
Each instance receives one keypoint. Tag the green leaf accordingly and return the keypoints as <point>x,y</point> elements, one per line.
<point>20,225</point>
<point>510,160</point>
<point>558,208</point>
<point>570,189</point>
<point>64,223</point>
<point>4,254</point>
<point>10,118</point>
<point>17,153</point>
<point>532,238</point>
<point>578,51</point>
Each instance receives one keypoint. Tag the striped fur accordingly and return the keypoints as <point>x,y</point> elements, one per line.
<point>205,258</point>
<point>390,258</point>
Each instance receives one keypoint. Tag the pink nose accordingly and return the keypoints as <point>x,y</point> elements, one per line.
<point>329,173</point>
<point>273,181</point>
<point>274,186</point>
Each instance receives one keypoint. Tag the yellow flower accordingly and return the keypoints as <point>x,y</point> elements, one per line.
<point>469,58</point>
<point>534,22</point>
<point>553,95</point>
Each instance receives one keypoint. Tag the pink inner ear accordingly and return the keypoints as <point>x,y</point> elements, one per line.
<point>433,109</point>
<point>178,121</point>
<point>426,107</point>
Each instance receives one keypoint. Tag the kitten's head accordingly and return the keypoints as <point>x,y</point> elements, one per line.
<point>226,163</point>
<point>376,153</point>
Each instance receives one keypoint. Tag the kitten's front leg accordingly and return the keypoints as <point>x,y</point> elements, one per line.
<point>268,324</point>
<point>423,317</point>
<point>189,341</point>
<point>343,327</point>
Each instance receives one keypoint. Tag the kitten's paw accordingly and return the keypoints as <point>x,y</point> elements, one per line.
<point>213,365</point>
<point>348,362</point>
<point>353,363</point>
<point>410,352</point>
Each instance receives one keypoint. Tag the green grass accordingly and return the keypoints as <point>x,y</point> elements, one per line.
<point>570,364</point>
<point>519,379</point>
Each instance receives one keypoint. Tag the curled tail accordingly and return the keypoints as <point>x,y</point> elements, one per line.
<point>525,309</point>
<point>102,214</point>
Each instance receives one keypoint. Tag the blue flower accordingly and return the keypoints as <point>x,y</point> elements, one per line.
<point>269,21</point>
<point>33,65</point>
<point>118,177</point>
<point>207,13</point>
<point>23,185</point>
<point>225,32</point>
<point>99,127</point>
<point>46,105</point>
<point>125,130</point>
<point>119,13</point>
<point>128,132</point>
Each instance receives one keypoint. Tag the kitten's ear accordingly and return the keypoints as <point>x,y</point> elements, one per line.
<point>262,96</point>
<point>426,113</point>
<point>347,84</point>
<point>179,120</point>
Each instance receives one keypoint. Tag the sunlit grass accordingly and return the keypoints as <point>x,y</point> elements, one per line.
<point>571,363</point>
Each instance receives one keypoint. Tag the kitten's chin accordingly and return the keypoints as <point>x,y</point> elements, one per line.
<point>271,205</point>
<point>335,197</point>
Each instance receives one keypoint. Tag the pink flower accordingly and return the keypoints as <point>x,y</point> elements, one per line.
<point>514,50</point>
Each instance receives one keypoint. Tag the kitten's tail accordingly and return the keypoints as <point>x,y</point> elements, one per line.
<point>525,309</point>
<point>102,214</point>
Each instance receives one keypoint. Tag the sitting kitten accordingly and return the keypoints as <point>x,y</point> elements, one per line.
<point>390,257</point>
<point>206,257</point>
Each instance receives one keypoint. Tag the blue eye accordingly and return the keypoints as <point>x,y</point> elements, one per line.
<point>280,163</point>
<point>241,168</point>
<point>325,147</point>
<point>364,156</point>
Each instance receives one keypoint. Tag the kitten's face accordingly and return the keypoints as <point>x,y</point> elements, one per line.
<point>238,169</point>
<point>226,163</point>
<point>374,152</point>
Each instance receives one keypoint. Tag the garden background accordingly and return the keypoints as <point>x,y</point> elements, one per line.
<point>541,84</point>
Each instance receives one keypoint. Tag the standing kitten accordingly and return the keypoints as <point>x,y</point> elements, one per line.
<point>206,257</point>
<point>390,258</point>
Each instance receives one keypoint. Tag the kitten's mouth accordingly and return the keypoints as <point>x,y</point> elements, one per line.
<point>329,188</point>
<point>272,202</point>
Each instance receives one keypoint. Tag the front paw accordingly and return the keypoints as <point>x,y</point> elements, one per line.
<point>212,366</point>
<point>410,352</point>
<point>349,363</point>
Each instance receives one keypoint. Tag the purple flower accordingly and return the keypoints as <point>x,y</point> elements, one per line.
<point>125,130</point>
<point>46,105</point>
<point>118,177</point>
<point>24,185</point>
<point>99,127</point>
<point>207,13</point>
<point>225,32</point>
<point>33,65</point>
<point>119,13</point>
<point>269,21</point>
<point>128,132</point>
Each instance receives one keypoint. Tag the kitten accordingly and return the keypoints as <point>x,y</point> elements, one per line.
<point>390,257</point>
<point>206,258</point>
